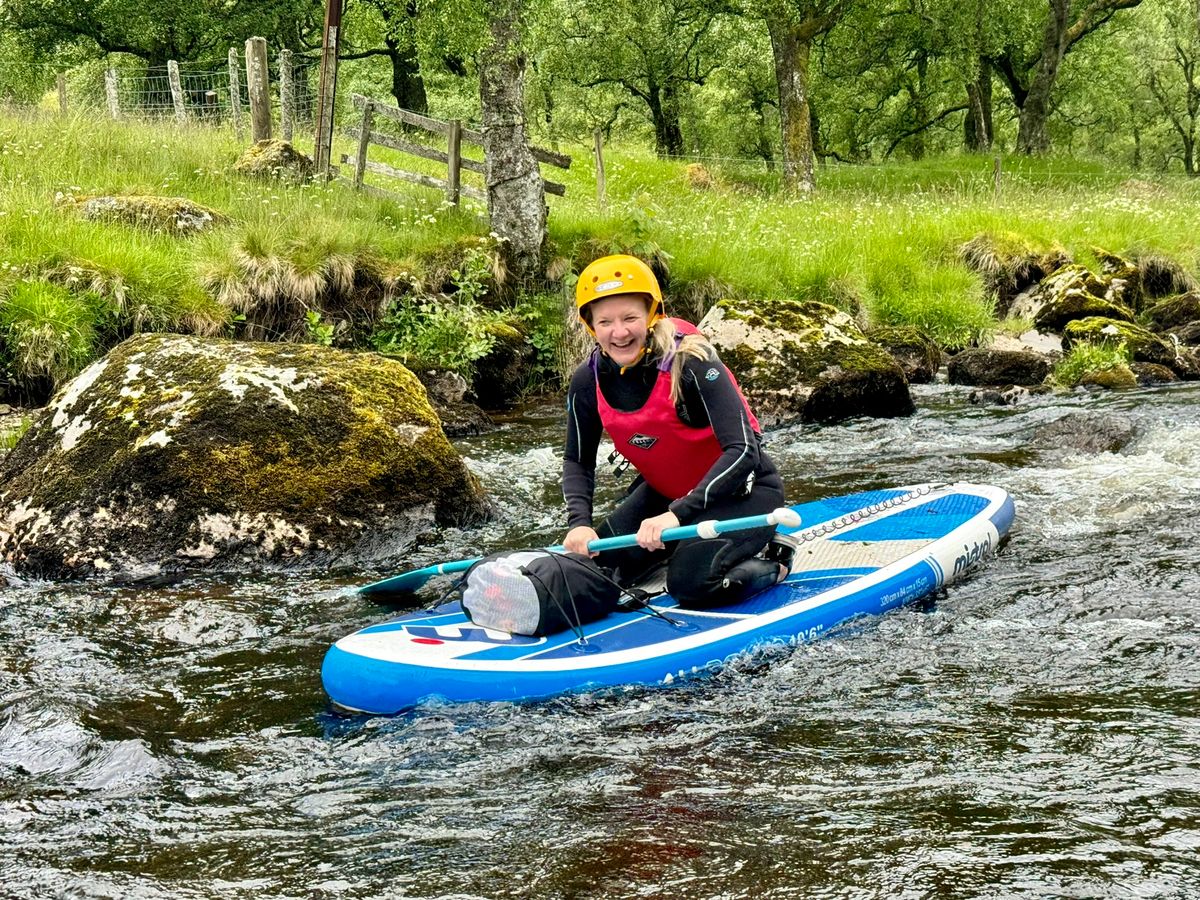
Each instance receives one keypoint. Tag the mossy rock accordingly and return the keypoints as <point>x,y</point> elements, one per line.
<point>916,352</point>
<point>1009,265</point>
<point>275,159</point>
<point>1123,280</point>
<point>163,215</point>
<point>1173,312</point>
<point>1188,335</point>
<point>1070,293</point>
<point>805,362</point>
<point>1152,375</point>
<point>503,374</point>
<point>177,452</point>
<point>1143,345</point>
<point>981,366</point>
<point>1115,378</point>
<point>1056,313</point>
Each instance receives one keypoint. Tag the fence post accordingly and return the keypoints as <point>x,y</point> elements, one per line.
<point>454,161</point>
<point>287,96</point>
<point>62,93</point>
<point>110,91</point>
<point>327,92</point>
<point>235,93</point>
<point>364,139</point>
<point>258,86</point>
<point>176,90</point>
<point>208,107</point>
<point>996,178</point>
<point>601,187</point>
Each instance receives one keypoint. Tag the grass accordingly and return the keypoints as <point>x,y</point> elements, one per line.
<point>1094,363</point>
<point>882,242</point>
<point>11,434</point>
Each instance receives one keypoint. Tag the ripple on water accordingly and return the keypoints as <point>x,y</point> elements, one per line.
<point>1030,733</point>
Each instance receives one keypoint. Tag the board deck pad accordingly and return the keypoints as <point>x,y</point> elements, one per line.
<point>858,554</point>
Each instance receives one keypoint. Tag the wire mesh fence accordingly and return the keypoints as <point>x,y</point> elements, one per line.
<point>214,91</point>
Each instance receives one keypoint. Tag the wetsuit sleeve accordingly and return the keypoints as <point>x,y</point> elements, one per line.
<point>713,397</point>
<point>583,439</point>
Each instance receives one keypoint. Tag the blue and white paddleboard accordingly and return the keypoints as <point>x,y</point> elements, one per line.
<point>859,554</point>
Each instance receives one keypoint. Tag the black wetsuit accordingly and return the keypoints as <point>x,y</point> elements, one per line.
<point>742,482</point>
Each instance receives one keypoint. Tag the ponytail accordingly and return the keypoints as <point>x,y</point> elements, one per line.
<point>662,344</point>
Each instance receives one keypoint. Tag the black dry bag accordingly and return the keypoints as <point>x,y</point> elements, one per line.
<point>537,592</point>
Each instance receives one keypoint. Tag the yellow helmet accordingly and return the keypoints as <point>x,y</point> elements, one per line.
<point>613,275</point>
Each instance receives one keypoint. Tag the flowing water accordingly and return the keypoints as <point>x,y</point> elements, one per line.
<point>1033,732</point>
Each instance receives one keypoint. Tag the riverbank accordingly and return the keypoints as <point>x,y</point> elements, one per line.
<point>417,279</point>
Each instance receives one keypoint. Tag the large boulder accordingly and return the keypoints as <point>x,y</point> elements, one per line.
<point>805,362</point>
<point>981,366</point>
<point>502,376</point>
<point>1141,345</point>
<point>177,452</point>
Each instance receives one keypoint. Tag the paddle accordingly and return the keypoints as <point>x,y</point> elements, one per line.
<point>410,581</point>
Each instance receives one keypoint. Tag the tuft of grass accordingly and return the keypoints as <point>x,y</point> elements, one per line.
<point>48,332</point>
<point>1095,364</point>
<point>11,434</point>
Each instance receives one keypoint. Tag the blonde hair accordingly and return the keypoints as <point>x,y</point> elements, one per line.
<point>662,342</point>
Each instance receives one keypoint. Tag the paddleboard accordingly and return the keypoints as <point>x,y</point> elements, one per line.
<point>860,554</point>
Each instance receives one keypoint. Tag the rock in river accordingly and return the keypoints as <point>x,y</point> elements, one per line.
<point>174,452</point>
<point>805,362</point>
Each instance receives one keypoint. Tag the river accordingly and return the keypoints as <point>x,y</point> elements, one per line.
<point>1032,732</point>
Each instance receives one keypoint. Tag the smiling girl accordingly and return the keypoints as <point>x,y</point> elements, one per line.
<point>673,410</point>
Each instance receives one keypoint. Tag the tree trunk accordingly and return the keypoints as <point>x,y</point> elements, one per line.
<point>664,113</point>
<point>977,126</point>
<point>920,106</point>
<point>1032,134</point>
<point>791,51</point>
<point>408,87</point>
<point>516,199</point>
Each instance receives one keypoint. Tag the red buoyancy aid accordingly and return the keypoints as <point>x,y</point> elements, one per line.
<point>671,456</point>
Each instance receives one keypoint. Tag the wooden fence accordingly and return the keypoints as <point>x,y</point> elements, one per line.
<point>451,157</point>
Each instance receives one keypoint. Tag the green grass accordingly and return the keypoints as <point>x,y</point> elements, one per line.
<point>1092,362</point>
<point>10,435</point>
<point>882,242</point>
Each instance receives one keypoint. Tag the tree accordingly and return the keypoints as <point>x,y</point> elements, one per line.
<point>1031,70</point>
<point>652,49</point>
<point>1172,73</point>
<point>394,25</point>
<point>516,197</point>
<point>793,26</point>
<point>158,30</point>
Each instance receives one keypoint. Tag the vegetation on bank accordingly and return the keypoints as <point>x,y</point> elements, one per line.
<point>417,279</point>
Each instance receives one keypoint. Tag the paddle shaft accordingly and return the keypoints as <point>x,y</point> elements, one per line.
<point>410,581</point>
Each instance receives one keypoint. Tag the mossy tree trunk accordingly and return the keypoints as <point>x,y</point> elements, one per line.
<point>516,198</point>
<point>793,26</point>
<point>977,126</point>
